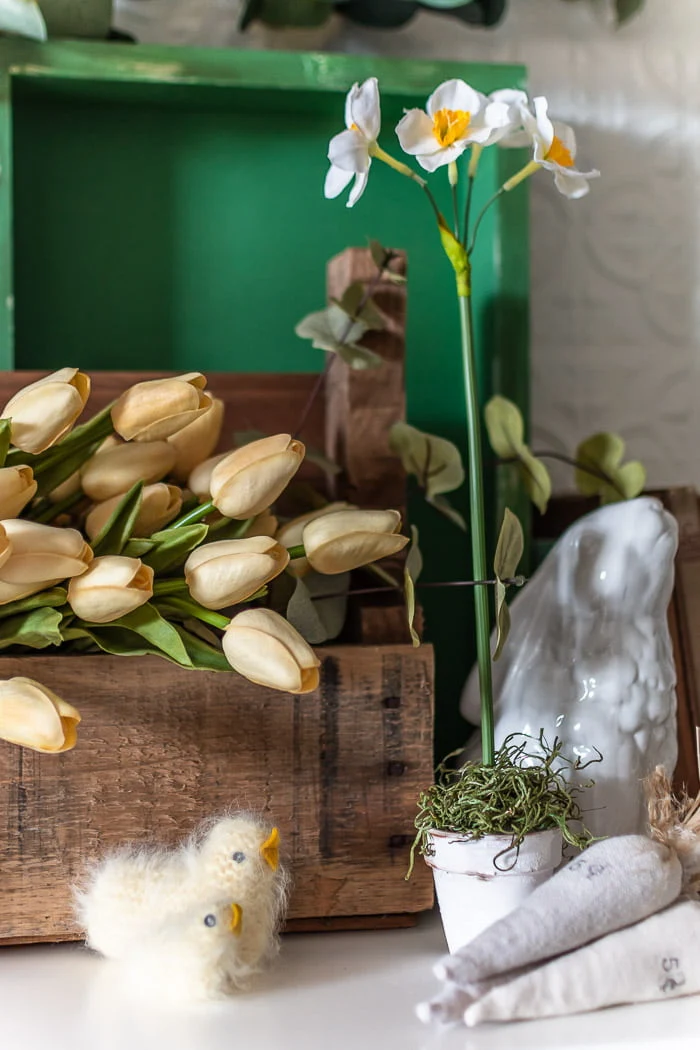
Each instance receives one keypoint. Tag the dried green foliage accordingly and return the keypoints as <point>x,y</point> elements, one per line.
<point>318,606</point>
<point>604,473</point>
<point>336,331</point>
<point>434,461</point>
<point>509,551</point>
<point>506,431</point>
<point>412,569</point>
<point>507,798</point>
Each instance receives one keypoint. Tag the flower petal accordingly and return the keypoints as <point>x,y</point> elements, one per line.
<point>349,151</point>
<point>544,126</point>
<point>336,181</point>
<point>433,161</point>
<point>510,96</point>
<point>358,189</point>
<point>415,133</point>
<point>348,104</point>
<point>571,185</point>
<point>455,94</point>
<point>365,110</point>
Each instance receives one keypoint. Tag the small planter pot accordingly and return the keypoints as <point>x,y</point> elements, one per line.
<point>472,893</point>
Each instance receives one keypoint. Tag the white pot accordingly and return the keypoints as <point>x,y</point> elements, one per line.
<point>472,892</point>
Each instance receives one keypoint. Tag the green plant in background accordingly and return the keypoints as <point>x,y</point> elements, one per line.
<point>390,14</point>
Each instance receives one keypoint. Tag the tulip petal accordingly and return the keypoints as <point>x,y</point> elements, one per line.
<point>271,623</point>
<point>415,133</point>
<point>17,488</point>
<point>336,181</point>
<point>113,472</point>
<point>349,151</point>
<point>40,417</point>
<point>196,441</point>
<point>30,716</point>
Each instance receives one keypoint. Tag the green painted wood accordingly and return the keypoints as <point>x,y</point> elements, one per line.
<point>169,213</point>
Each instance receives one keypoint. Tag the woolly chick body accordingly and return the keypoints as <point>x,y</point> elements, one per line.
<point>235,858</point>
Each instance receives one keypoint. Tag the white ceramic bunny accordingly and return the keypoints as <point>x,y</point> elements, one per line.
<point>589,657</point>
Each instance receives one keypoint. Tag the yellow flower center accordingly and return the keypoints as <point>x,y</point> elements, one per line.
<point>559,154</point>
<point>450,124</point>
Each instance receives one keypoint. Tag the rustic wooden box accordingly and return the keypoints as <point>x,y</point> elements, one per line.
<point>161,747</point>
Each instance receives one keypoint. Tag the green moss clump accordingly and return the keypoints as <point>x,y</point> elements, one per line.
<point>520,793</point>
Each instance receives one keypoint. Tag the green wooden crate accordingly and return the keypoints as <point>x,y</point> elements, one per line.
<point>163,208</point>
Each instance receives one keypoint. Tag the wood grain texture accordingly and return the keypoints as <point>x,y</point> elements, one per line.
<point>161,748</point>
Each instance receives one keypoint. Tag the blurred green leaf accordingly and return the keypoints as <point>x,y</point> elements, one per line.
<point>37,629</point>
<point>5,435</point>
<point>116,532</point>
<point>171,546</point>
<point>51,599</point>
<point>510,547</point>
<point>318,606</point>
<point>603,454</point>
<point>626,9</point>
<point>351,302</point>
<point>506,431</point>
<point>502,619</point>
<point>443,505</point>
<point>382,257</point>
<point>435,461</point>
<point>332,330</point>
<point>412,570</point>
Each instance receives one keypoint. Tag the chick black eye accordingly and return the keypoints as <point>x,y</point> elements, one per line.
<point>238,857</point>
<point>210,920</point>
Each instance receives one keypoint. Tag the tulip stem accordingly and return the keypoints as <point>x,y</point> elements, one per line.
<point>161,587</point>
<point>193,516</point>
<point>297,551</point>
<point>53,510</point>
<point>187,607</point>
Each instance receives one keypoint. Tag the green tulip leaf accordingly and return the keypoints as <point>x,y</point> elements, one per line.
<point>355,309</point>
<point>116,532</point>
<point>22,17</point>
<point>443,505</point>
<point>203,656</point>
<point>5,436</point>
<point>117,641</point>
<point>509,548</point>
<point>318,606</point>
<point>37,629</point>
<point>171,546</point>
<point>434,461</point>
<point>51,599</point>
<point>606,476</point>
<point>412,570</point>
<point>147,623</point>
<point>502,619</point>
<point>506,431</point>
<point>136,548</point>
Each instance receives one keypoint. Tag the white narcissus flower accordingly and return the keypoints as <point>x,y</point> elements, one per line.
<point>350,152</point>
<point>511,132</point>
<point>455,117</point>
<point>554,148</point>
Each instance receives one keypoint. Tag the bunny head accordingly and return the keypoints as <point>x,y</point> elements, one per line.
<point>617,562</point>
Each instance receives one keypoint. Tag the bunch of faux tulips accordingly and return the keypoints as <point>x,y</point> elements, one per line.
<point>126,535</point>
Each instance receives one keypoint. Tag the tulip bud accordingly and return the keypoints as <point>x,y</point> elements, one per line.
<point>112,587</point>
<point>196,442</point>
<point>157,408</point>
<point>350,538</point>
<point>43,554</point>
<point>67,488</point>
<point>44,411</point>
<point>160,503</point>
<point>17,488</point>
<point>290,535</point>
<point>225,572</point>
<point>5,546</point>
<point>249,479</point>
<point>112,473</point>
<point>265,649</point>
<point>200,479</point>
<point>265,524</point>
<point>33,716</point>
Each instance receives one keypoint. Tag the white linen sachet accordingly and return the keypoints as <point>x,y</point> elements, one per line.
<point>658,958</point>
<point>614,884</point>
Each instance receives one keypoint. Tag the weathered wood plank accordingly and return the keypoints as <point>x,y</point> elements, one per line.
<point>160,748</point>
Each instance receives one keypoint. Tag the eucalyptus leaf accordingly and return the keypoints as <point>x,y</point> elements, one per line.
<point>332,330</point>
<point>506,431</point>
<point>22,17</point>
<point>302,615</point>
<point>329,467</point>
<point>37,629</point>
<point>502,619</point>
<point>435,461</point>
<point>51,599</point>
<point>412,570</point>
<point>381,257</point>
<point>5,436</point>
<point>318,606</point>
<point>171,546</point>
<point>147,622</point>
<point>359,357</point>
<point>116,531</point>
<point>443,505</point>
<point>353,306</point>
<point>509,548</point>
<point>607,476</point>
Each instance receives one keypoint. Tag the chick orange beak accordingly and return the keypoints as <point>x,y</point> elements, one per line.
<point>236,923</point>
<point>270,849</point>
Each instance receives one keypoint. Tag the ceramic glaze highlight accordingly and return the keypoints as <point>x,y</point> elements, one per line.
<point>589,658</point>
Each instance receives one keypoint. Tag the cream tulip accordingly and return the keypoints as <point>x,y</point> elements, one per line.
<point>112,473</point>
<point>160,503</point>
<point>348,539</point>
<point>265,524</point>
<point>44,411</point>
<point>226,572</point>
<point>196,442</point>
<point>262,647</point>
<point>17,488</point>
<point>69,487</point>
<point>249,479</point>
<point>291,533</point>
<point>156,409</point>
<point>112,587</point>
<point>199,480</point>
<point>43,554</point>
<point>5,546</point>
<point>33,716</point>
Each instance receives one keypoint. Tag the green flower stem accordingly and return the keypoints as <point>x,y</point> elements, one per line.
<point>47,514</point>
<point>200,512</point>
<point>482,213</point>
<point>162,587</point>
<point>240,531</point>
<point>453,178</point>
<point>296,552</point>
<point>191,608</point>
<point>478,531</point>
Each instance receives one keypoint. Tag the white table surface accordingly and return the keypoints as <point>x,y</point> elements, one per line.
<point>334,991</point>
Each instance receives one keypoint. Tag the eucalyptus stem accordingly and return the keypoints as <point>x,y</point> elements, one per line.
<point>193,516</point>
<point>478,531</point>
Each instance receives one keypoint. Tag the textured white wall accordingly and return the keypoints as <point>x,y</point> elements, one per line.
<point>615,277</point>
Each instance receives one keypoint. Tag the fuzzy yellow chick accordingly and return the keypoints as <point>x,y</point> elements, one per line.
<point>235,858</point>
<point>189,956</point>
